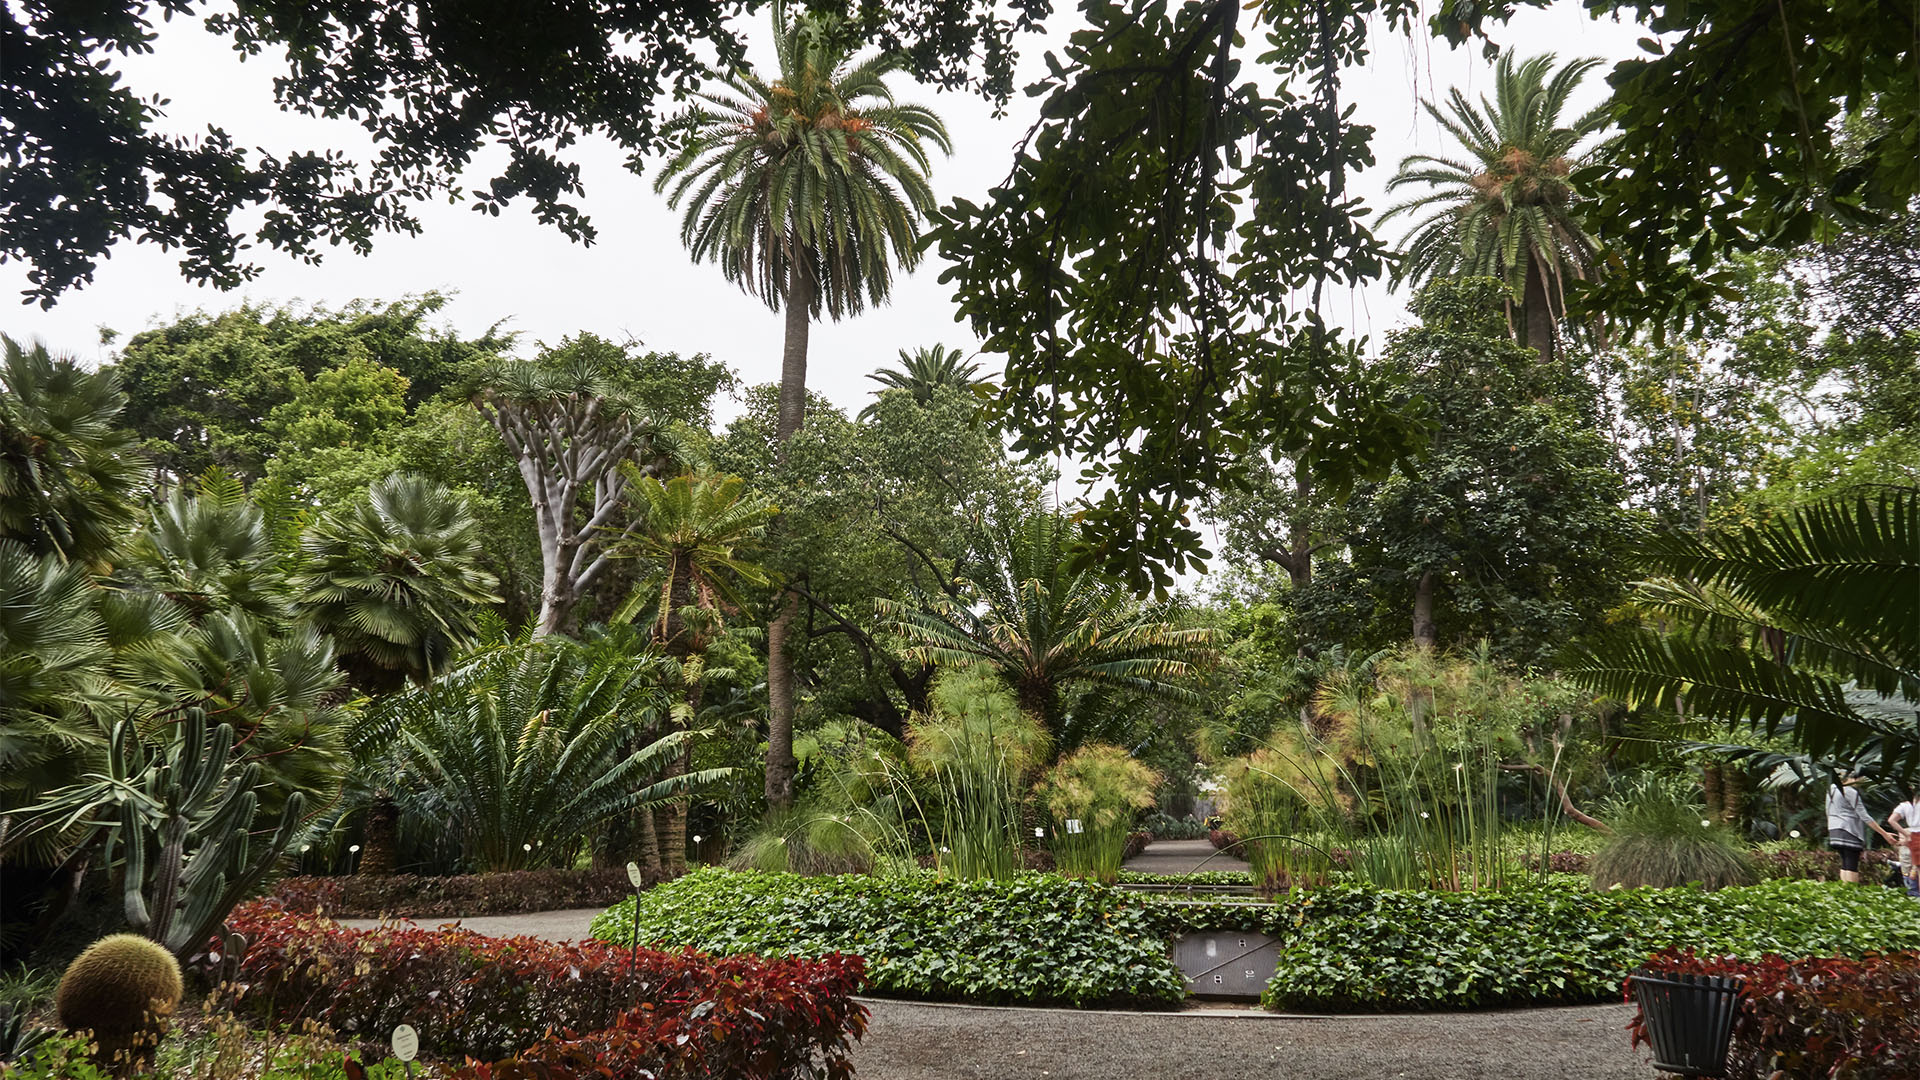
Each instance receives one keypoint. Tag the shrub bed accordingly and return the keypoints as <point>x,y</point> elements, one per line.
<point>1048,939</point>
<point>511,893</point>
<point>485,998</point>
<point>1829,1016</point>
<point>1349,947</point>
<point>1038,939</point>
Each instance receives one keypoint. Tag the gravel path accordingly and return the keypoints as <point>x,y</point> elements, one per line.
<point>1184,857</point>
<point>931,1042</point>
<point>912,1041</point>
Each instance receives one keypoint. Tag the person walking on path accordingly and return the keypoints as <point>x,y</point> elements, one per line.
<point>1905,820</point>
<point>1847,825</point>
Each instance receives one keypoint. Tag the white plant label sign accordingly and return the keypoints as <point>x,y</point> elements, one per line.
<point>406,1042</point>
<point>633,874</point>
<point>1073,825</point>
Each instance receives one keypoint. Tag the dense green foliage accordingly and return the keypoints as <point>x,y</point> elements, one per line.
<point>1036,939</point>
<point>1368,949</point>
<point>1041,938</point>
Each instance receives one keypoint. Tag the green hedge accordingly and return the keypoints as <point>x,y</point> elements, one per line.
<point>1039,939</point>
<point>1349,948</point>
<point>1046,939</point>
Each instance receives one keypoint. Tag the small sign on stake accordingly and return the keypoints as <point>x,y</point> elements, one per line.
<point>633,874</point>
<point>1039,832</point>
<point>1073,825</point>
<point>406,1045</point>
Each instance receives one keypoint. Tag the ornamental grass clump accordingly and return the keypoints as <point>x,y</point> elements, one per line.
<point>1093,796</point>
<point>1663,837</point>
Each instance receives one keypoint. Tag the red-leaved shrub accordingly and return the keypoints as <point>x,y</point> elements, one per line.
<point>487,998</point>
<point>509,893</point>
<point>1821,1017</point>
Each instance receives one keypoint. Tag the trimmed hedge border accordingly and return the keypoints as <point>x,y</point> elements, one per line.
<point>516,892</point>
<point>1045,939</point>
<point>475,997</point>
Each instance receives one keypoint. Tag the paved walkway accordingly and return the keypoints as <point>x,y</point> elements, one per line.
<point>1184,857</point>
<point>911,1041</point>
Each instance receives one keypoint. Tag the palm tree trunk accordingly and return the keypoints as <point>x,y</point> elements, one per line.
<point>646,840</point>
<point>793,409</point>
<point>1536,310</point>
<point>793,357</point>
<point>383,838</point>
<point>780,763</point>
<point>1424,634</point>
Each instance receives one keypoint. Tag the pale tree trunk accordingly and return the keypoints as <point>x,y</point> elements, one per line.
<point>646,840</point>
<point>1536,311</point>
<point>793,409</point>
<point>780,763</point>
<point>1424,634</point>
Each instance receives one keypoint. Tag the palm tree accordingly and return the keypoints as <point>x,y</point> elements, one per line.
<point>396,580</point>
<point>692,530</point>
<point>1507,208</point>
<point>69,474</point>
<point>1046,627</point>
<point>923,371</point>
<point>806,189</point>
<point>1808,625</point>
<point>208,550</point>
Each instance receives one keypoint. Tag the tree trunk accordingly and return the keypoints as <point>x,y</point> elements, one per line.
<point>793,411</point>
<point>780,763</point>
<point>1711,787</point>
<point>1424,634</point>
<point>793,358</point>
<point>380,857</point>
<point>1300,537</point>
<point>646,840</point>
<point>1536,311</point>
<point>1733,797</point>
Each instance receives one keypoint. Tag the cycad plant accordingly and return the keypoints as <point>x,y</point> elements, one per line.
<point>1046,627</point>
<point>523,751</point>
<point>924,371</point>
<point>1806,626</point>
<point>396,580</point>
<point>1093,796</point>
<point>1508,207</point>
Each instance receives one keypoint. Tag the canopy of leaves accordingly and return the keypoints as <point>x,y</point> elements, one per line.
<point>432,82</point>
<point>1139,266</point>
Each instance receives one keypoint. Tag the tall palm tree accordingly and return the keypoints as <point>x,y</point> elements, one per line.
<point>1046,627</point>
<point>1507,209</point>
<point>1809,625</point>
<point>924,370</point>
<point>692,530</point>
<point>806,189</point>
<point>69,474</point>
<point>396,580</point>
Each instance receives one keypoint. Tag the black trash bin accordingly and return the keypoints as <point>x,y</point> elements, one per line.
<point>1689,1019</point>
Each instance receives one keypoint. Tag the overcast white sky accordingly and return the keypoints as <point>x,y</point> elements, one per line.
<point>637,280</point>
